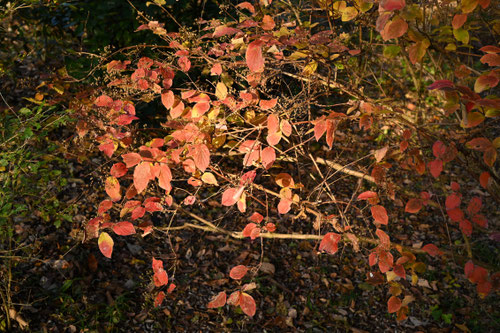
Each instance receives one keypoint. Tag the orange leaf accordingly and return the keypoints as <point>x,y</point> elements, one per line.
<point>142,176</point>
<point>379,214</point>
<point>432,250</point>
<point>413,205</point>
<point>218,301</point>
<point>112,188</point>
<point>159,298</point>
<point>394,304</point>
<point>253,56</point>
<point>268,104</point>
<point>124,228</point>
<point>201,156</point>
<point>247,304</point>
<point>168,99</point>
<point>238,272</point>
<point>329,243</point>
<point>268,156</point>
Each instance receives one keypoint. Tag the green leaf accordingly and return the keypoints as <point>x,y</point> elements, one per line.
<point>391,51</point>
<point>461,35</point>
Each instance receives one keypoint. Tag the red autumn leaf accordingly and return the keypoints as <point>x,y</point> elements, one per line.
<point>271,227</point>
<point>273,138</point>
<point>479,274</point>
<point>246,5</point>
<point>104,206</point>
<point>319,129</point>
<point>153,205</point>
<point>394,29</point>
<point>104,101</point>
<point>112,188</point>
<point>159,298</point>
<point>268,23</point>
<point>247,304</point>
<point>230,196</point>
<point>273,123</point>
<point>394,304</point>
<point>253,56</point>
<point>379,214</point>
<point>216,69</point>
<point>138,212</point>
<point>105,243</point>
<point>286,128</point>
<point>367,195</point>
<point>458,21</point>
<point>217,301</point>
<point>131,159</point>
<point>268,104</point>
<point>485,82</point>
<point>118,170</point>
<point>399,270</point>
<point>452,201</point>
<point>413,206</point>
<point>372,258</point>
<point>251,230</point>
<point>177,110</point>
<point>200,109</point>
<point>441,85</point>
<point>329,243</point>
<point>455,214</point>
<point>224,31</point>
<point>432,250</point>
<point>160,277</point>
<point>474,206</point>
<point>107,148</point>
<point>480,220</point>
<point>284,205</point>
<point>238,272</point>
<point>436,167</point>
<point>438,149</point>
<point>484,178</point>
<point>480,144</point>
<point>200,155</point>
<point>455,186</point>
<point>142,176</point>
<point>171,288</point>
<point>490,49</point>
<point>465,226</point>
<point>234,298</point>
<point>384,238</point>
<point>124,228</point>
<point>189,200</point>
<point>165,177</point>
<point>256,217</point>
<point>391,5</point>
<point>268,156</point>
<point>157,265</point>
<point>184,63</point>
<point>168,99</point>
